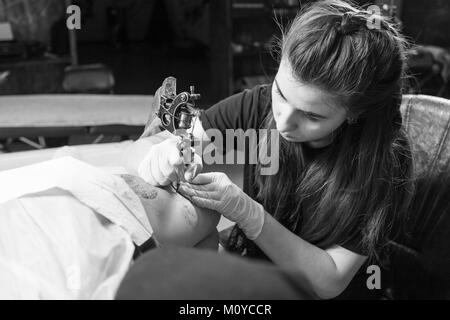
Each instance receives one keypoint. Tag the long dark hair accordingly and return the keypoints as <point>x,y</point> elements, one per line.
<point>361,185</point>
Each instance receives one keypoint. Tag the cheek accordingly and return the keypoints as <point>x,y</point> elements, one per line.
<point>317,130</point>
<point>312,130</point>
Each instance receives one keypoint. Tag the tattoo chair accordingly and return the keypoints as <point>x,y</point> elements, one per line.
<point>420,263</point>
<point>418,266</point>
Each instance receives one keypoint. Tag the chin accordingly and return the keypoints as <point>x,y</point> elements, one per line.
<point>290,138</point>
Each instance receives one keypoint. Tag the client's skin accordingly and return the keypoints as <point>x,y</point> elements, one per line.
<point>174,219</point>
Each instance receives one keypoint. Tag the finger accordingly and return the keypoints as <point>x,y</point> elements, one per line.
<point>174,156</point>
<point>187,155</point>
<point>185,189</point>
<point>210,187</point>
<point>146,174</point>
<point>203,178</point>
<point>169,166</point>
<point>205,203</point>
<point>157,174</point>
<point>192,171</point>
<point>168,171</point>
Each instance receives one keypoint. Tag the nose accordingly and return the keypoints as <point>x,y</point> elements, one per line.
<point>287,121</point>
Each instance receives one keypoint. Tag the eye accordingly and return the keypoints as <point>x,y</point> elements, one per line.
<point>311,117</point>
<point>278,92</point>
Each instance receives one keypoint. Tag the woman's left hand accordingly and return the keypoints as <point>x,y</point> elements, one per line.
<point>217,192</point>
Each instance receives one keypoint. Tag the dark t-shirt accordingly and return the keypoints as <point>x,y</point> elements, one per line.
<point>246,110</point>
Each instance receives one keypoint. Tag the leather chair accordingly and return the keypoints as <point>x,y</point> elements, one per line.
<point>420,263</point>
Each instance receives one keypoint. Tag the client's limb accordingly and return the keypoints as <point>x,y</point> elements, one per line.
<point>174,219</point>
<point>210,242</point>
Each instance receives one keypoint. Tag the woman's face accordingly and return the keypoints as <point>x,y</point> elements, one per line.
<point>303,113</point>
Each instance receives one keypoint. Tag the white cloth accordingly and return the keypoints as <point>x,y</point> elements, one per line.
<point>66,231</point>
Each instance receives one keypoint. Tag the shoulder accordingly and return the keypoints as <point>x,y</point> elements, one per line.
<point>243,110</point>
<point>258,96</point>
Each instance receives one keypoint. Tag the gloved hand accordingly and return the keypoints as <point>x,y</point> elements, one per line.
<point>217,192</point>
<point>170,161</point>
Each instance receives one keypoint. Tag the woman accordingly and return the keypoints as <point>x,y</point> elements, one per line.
<point>344,181</point>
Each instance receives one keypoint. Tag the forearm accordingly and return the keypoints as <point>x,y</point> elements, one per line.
<point>315,268</point>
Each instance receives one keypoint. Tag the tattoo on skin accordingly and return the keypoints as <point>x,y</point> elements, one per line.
<point>152,194</point>
<point>145,191</point>
<point>190,215</point>
<point>140,187</point>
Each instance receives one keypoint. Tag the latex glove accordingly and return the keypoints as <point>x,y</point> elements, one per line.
<point>170,161</point>
<point>217,192</point>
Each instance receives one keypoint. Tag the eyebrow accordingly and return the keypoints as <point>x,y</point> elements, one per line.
<point>305,112</point>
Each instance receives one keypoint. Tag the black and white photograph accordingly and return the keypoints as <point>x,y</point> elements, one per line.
<point>224,154</point>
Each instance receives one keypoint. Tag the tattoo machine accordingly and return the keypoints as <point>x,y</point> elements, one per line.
<point>178,114</point>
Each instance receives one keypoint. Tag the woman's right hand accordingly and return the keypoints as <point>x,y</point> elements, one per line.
<point>170,160</point>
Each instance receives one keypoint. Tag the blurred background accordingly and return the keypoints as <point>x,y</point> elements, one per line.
<point>220,46</point>
<point>128,47</point>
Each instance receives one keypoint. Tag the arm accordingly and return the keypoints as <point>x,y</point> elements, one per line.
<point>326,272</point>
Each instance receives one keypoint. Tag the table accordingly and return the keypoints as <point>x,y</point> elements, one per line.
<point>32,116</point>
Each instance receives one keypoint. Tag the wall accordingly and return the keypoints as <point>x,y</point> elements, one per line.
<point>95,25</point>
<point>427,22</point>
<point>32,19</point>
<point>187,18</point>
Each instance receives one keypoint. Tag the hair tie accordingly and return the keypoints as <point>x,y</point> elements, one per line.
<point>348,24</point>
